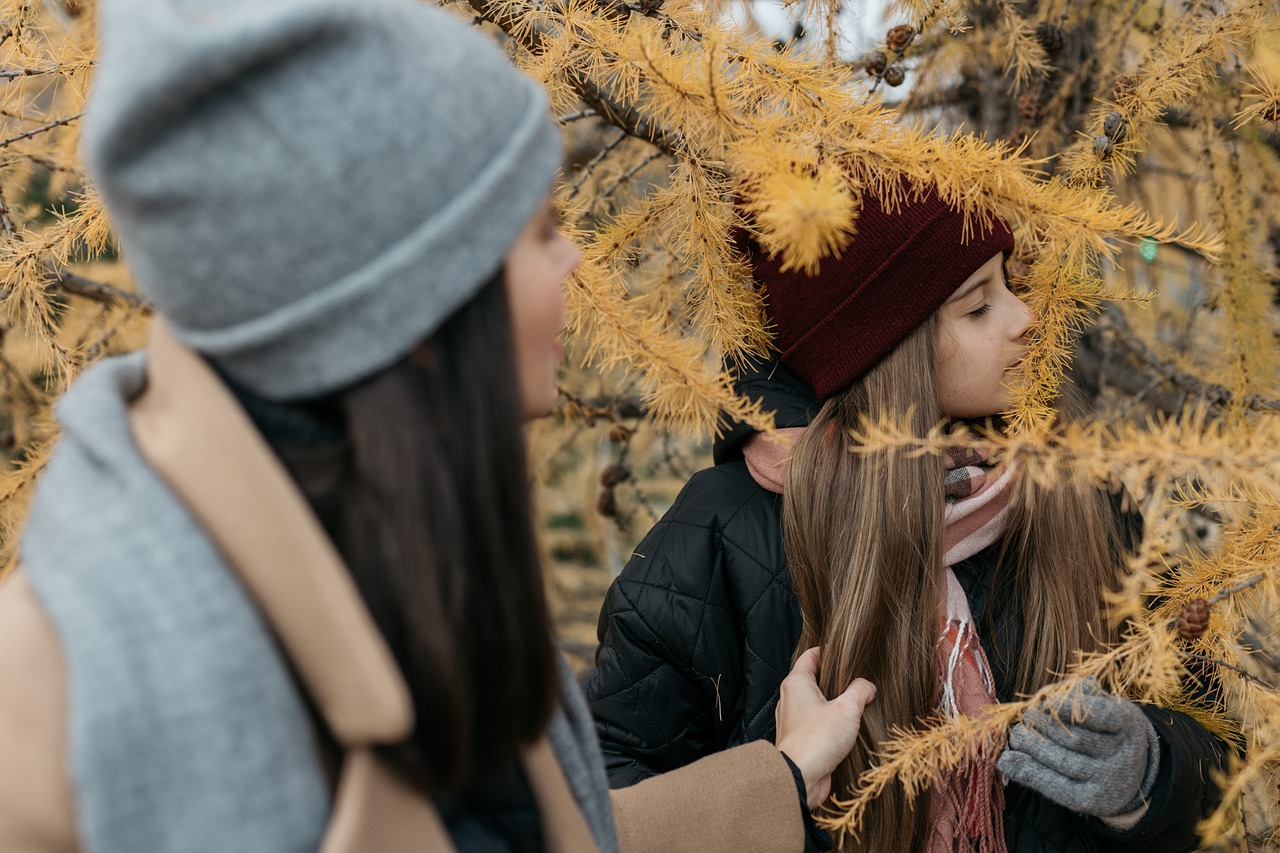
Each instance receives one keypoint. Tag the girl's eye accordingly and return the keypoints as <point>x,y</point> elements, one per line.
<point>979,311</point>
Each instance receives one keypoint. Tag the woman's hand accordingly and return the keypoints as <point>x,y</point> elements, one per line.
<point>817,734</point>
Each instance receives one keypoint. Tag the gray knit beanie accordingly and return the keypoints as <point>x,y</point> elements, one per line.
<point>307,188</point>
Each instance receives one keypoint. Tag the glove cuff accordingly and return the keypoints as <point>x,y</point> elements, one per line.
<point>1149,777</point>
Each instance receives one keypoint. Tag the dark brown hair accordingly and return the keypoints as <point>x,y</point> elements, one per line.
<point>426,496</point>
<point>863,537</point>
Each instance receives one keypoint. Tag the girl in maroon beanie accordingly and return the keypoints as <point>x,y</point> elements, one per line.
<point>946,582</point>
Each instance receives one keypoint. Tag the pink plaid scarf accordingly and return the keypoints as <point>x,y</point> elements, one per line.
<point>966,809</point>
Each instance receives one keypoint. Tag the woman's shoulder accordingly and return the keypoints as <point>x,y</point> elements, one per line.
<point>36,814</point>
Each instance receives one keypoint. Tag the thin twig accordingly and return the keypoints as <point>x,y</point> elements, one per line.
<point>34,394</point>
<point>1218,662</point>
<point>38,130</point>
<point>98,291</point>
<point>1240,587</point>
<point>624,116</point>
<point>15,73</point>
<point>595,161</point>
<point>631,173</point>
<point>5,221</point>
<point>578,116</point>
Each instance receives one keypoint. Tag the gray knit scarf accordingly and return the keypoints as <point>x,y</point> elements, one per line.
<point>187,732</point>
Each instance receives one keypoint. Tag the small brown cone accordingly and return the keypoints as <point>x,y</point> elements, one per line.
<point>900,37</point>
<point>1194,619</point>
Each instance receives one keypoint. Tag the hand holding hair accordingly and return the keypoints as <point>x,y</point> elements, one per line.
<point>1090,751</point>
<point>814,732</point>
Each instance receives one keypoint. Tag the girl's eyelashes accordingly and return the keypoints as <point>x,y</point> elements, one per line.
<point>980,310</point>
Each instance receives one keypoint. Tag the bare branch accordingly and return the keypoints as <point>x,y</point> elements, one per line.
<point>18,73</point>
<point>579,115</point>
<point>624,116</point>
<point>596,161</point>
<point>98,291</point>
<point>65,120</point>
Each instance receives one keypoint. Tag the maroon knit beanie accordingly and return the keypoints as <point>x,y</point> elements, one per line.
<point>833,327</point>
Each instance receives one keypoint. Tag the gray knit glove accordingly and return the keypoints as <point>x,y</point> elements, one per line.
<point>1104,765</point>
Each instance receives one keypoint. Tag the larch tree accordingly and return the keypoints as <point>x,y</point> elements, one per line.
<point>1133,144</point>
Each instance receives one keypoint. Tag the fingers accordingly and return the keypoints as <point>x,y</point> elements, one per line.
<point>1088,706</point>
<point>1026,771</point>
<point>858,695</point>
<point>807,663</point>
<point>1077,738</point>
<point>1053,757</point>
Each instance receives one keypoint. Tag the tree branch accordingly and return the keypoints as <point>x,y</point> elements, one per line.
<point>4,143</point>
<point>624,116</point>
<point>98,291</point>
<point>1157,371</point>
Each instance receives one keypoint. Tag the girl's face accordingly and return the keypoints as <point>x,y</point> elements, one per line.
<point>535,270</point>
<point>982,332</point>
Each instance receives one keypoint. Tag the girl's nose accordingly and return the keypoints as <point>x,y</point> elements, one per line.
<point>1024,318</point>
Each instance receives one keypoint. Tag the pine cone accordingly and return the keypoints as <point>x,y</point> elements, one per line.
<point>6,438</point>
<point>1194,619</point>
<point>607,504</point>
<point>1124,89</point>
<point>619,434</point>
<point>1017,136</point>
<point>900,37</point>
<point>1029,108</point>
<point>614,474</point>
<point>1051,37</point>
<point>876,63</point>
<point>1115,127</point>
<point>1103,146</point>
<point>895,75</point>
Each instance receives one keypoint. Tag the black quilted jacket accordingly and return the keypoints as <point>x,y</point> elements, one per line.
<point>697,633</point>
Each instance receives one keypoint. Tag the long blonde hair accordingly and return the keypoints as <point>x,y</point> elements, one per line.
<point>863,538</point>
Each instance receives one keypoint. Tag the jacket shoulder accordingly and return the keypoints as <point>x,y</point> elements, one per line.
<point>720,543</point>
<point>36,813</point>
<point>724,502</point>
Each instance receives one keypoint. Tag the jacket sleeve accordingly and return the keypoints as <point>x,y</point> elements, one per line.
<point>739,799</point>
<point>654,709</point>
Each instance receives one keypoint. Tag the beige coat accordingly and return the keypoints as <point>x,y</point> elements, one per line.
<point>195,436</point>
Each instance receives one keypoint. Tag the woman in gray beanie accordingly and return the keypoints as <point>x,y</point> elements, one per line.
<point>279,588</point>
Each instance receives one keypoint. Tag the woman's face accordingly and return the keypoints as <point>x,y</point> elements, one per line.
<point>981,341</point>
<point>535,270</point>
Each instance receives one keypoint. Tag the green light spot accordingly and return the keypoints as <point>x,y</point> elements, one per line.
<point>1148,248</point>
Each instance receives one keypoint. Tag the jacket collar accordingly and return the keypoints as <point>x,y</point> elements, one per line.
<point>190,428</point>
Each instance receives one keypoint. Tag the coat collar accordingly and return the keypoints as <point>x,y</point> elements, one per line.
<point>194,434</point>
